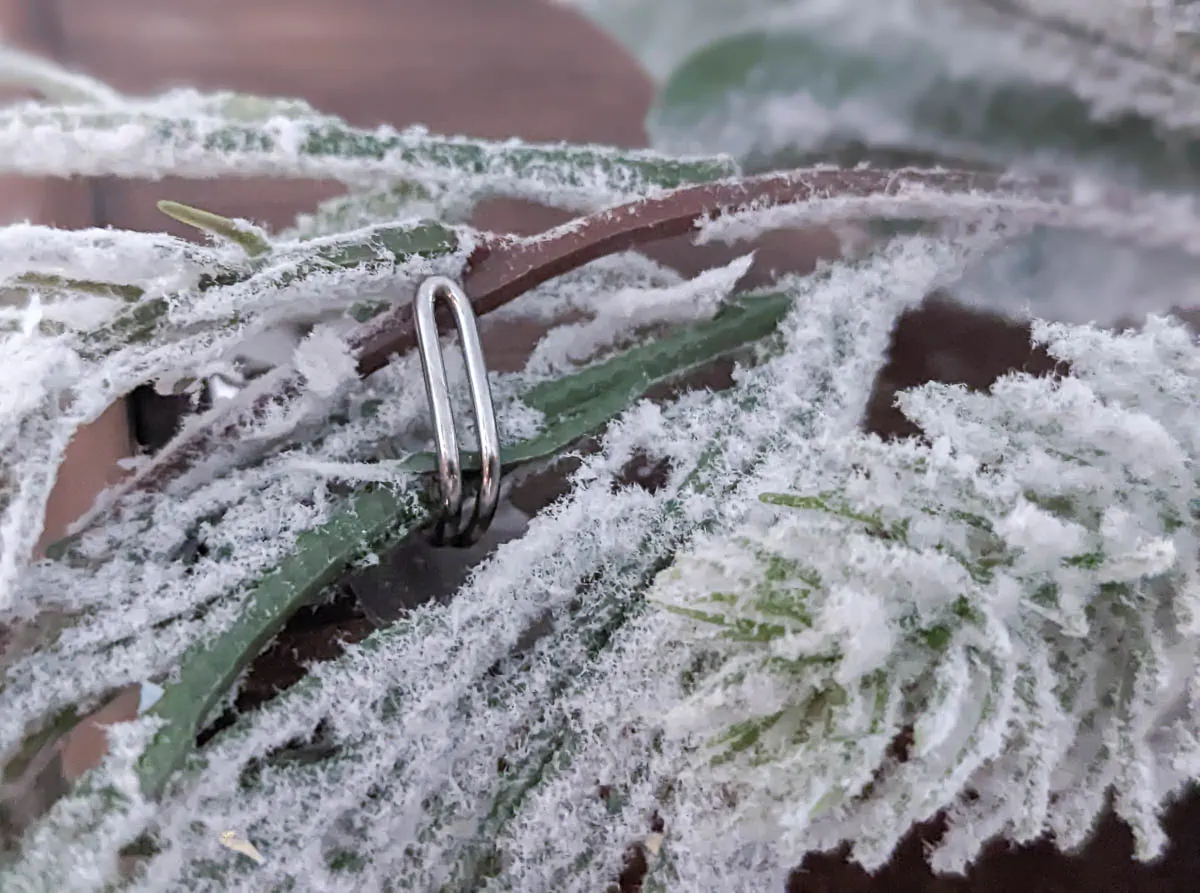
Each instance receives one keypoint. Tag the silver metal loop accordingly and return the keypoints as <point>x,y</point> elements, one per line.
<point>450,527</point>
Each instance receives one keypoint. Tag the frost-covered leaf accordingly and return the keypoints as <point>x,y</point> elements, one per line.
<point>766,93</point>
<point>730,650</point>
<point>1020,591</point>
<point>186,134</point>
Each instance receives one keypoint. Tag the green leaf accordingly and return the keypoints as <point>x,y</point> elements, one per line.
<point>900,98</point>
<point>252,242</point>
<point>391,244</point>
<point>210,668</point>
<point>50,282</point>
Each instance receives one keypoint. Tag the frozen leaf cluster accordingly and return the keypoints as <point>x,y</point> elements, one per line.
<point>418,714</point>
<point>1015,598</point>
<point>802,635</point>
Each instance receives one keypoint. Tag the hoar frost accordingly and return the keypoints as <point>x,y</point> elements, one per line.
<point>1020,592</point>
<point>324,360</point>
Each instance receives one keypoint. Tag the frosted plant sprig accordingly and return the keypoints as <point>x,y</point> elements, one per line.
<point>978,575</point>
<point>345,692</point>
<point>374,511</point>
<point>205,673</point>
<point>736,445</point>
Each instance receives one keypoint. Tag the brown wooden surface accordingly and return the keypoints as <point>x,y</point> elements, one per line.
<point>519,68</point>
<point>91,458</point>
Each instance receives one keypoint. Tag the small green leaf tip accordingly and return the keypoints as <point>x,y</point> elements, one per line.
<point>254,243</point>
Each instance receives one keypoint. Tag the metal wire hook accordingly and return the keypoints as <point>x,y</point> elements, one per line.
<point>434,368</point>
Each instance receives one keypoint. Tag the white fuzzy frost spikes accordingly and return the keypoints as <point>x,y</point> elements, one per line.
<point>1021,593</point>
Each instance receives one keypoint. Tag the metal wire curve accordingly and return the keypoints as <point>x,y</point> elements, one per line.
<point>450,528</point>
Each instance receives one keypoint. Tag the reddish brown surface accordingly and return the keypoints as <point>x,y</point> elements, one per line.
<point>525,68</point>
<point>1104,867</point>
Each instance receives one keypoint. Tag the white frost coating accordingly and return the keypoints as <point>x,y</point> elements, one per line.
<point>588,289</point>
<point>56,383</point>
<point>437,667</point>
<point>448,718</point>
<point>158,264</point>
<point>325,361</point>
<point>1003,695</point>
